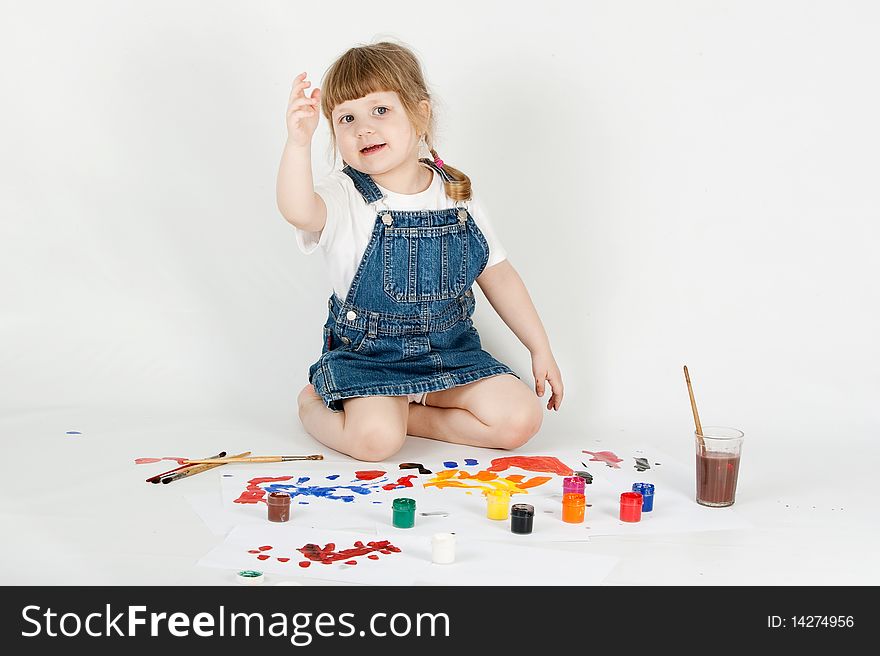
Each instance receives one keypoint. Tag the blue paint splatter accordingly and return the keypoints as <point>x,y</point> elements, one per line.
<point>303,503</point>
<point>450,464</point>
<point>73,433</point>
<point>344,493</point>
<point>332,477</point>
<point>470,462</point>
<point>377,502</point>
<point>302,480</point>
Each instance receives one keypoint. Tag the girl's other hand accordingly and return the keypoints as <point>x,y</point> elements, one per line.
<point>302,112</point>
<point>545,369</point>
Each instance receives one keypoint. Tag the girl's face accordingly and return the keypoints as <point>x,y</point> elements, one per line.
<point>374,133</point>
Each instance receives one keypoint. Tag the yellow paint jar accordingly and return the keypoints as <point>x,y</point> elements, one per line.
<point>497,504</point>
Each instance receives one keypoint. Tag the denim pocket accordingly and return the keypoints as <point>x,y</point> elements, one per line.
<point>351,339</point>
<point>425,264</point>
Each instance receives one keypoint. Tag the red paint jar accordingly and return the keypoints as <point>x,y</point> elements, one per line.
<point>630,507</point>
<point>279,506</point>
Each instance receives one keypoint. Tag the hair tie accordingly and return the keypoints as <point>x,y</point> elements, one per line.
<point>438,162</point>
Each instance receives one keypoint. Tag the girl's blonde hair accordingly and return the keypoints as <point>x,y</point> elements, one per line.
<point>386,66</point>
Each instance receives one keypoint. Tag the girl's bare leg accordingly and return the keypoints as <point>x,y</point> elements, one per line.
<point>370,428</point>
<point>499,412</point>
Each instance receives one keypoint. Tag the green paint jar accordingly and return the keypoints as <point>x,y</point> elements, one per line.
<point>403,513</point>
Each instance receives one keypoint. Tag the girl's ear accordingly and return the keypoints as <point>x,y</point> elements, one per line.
<point>425,112</point>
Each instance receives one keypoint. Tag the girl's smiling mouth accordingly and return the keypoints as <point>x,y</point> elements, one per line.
<point>369,150</point>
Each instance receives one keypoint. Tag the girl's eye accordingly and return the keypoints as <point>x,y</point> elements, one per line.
<point>381,111</point>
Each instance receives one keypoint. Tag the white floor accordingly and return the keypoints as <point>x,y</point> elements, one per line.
<point>76,510</point>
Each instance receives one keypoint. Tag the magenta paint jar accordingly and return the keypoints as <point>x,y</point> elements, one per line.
<point>573,485</point>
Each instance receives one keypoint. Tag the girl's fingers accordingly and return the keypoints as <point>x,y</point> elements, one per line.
<point>302,102</point>
<point>302,113</point>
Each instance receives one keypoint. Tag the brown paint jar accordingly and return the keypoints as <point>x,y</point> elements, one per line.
<point>279,506</point>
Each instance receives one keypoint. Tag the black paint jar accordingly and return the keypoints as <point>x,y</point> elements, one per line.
<point>522,516</point>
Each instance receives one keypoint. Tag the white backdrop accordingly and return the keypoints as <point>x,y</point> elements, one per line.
<point>677,183</point>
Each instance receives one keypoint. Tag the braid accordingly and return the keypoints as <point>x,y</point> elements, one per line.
<point>460,186</point>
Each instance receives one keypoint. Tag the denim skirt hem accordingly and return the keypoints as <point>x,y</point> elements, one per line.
<point>333,399</point>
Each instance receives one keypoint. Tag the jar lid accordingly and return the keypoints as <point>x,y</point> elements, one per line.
<point>278,499</point>
<point>403,503</point>
<point>643,488</point>
<point>496,492</point>
<point>587,476</point>
<point>631,499</point>
<point>522,509</point>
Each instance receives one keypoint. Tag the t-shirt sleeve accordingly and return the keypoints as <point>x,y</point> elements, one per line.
<point>333,194</point>
<point>484,223</point>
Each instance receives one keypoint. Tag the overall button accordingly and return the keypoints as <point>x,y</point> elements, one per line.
<point>469,293</point>
<point>345,340</point>
<point>351,315</point>
<point>387,219</point>
<point>462,216</point>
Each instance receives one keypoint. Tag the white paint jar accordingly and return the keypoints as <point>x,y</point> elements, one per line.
<point>443,548</point>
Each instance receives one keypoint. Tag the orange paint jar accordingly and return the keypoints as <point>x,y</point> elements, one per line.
<point>573,507</point>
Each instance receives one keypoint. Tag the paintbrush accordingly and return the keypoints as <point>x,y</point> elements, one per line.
<point>694,408</point>
<point>158,477</point>
<point>197,469</point>
<point>256,459</point>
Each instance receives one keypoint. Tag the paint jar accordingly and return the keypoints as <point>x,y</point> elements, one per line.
<point>573,507</point>
<point>497,504</point>
<point>279,506</point>
<point>573,485</point>
<point>587,476</point>
<point>630,507</point>
<point>522,516</point>
<point>718,453</point>
<point>443,548</point>
<point>647,492</point>
<point>403,513</point>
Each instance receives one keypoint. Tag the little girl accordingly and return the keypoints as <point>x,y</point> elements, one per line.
<point>404,240</point>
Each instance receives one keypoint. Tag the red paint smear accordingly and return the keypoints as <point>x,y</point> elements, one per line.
<point>266,548</point>
<point>328,553</point>
<point>373,557</point>
<point>304,563</point>
<point>403,481</point>
<point>283,560</point>
<point>369,474</point>
<point>254,493</point>
<point>351,562</point>
<point>547,464</point>
<point>146,461</point>
<point>262,557</point>
<point>607,457</point>
<point>253,551</point>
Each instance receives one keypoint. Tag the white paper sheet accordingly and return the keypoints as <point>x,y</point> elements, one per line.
<point>246,548</point>
<point>476,562</point>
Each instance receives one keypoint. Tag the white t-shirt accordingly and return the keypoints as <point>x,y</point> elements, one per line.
<point>350,221</point>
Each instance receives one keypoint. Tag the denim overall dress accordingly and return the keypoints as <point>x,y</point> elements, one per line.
<point>405,325</point>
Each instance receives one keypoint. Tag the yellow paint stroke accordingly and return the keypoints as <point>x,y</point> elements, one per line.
<point>485,481</point>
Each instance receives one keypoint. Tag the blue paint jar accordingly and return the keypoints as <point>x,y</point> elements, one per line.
<point>647,492</point>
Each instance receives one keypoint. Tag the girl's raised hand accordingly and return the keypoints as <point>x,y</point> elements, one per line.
<point>302,112</point>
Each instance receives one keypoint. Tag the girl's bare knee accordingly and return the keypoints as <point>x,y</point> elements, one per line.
<point>374,444</point>
<point>519,426</point>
